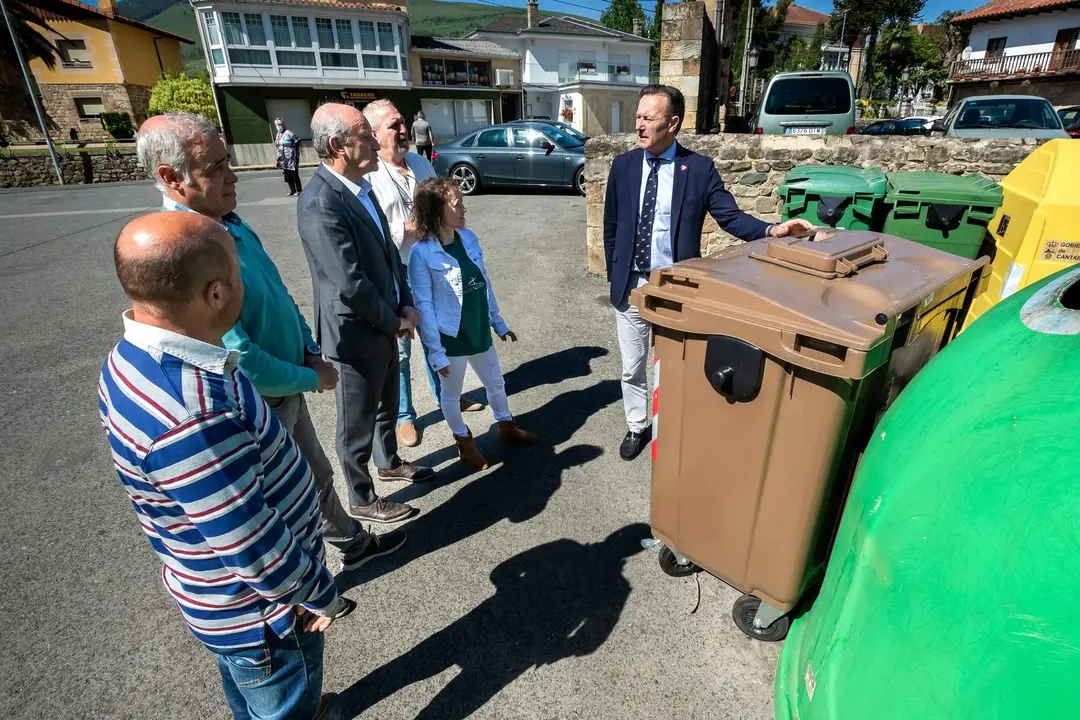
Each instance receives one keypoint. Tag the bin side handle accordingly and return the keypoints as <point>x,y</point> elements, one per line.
<point>796,345</point>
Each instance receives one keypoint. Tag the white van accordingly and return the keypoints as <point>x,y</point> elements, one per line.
<point>807,103</point>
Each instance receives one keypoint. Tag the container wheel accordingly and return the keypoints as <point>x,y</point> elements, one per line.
<point>671,565</point>
<point>743,612</point>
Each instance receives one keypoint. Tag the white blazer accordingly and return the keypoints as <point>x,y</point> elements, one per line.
<point>435,279</point>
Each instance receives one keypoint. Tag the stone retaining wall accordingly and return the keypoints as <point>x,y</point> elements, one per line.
<point>753,166</point>
<point>77,168</point>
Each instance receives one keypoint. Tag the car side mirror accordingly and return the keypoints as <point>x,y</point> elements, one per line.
<point>548,145</point>
<point>938,126</point>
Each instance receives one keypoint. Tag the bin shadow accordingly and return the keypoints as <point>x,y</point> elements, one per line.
<point>516,490</point>
<point>555,601</point>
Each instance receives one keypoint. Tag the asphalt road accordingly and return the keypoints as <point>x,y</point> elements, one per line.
<point>523,592</point>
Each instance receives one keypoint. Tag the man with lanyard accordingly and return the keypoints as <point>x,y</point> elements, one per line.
<point>187,159</point>
<point>394,185</point>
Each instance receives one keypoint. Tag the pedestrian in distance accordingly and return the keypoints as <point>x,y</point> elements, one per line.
<point>287,149</point>
<point>422,136</point>
<point>185,156</point>
<point>458,311</point>
<point>222,492</point>
<point>654,208</point>
<point>362,305</point>
<point>394,184</point>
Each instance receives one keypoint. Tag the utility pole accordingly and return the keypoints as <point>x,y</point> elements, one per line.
<point>744,70</point>
<point>33,96</point>
<point>847,52</point>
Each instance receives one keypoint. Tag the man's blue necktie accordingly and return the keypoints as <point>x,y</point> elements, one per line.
<point>643,240</point>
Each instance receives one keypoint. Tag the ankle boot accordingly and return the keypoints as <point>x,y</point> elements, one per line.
<point>468,453</point>
<point>509,432</point>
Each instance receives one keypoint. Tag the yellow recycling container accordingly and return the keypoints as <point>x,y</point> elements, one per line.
<point>1037,228</point>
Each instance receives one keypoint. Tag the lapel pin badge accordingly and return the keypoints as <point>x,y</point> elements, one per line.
<point>682,167</point>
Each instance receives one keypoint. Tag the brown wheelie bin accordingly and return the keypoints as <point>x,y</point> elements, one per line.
<point>774,361</point>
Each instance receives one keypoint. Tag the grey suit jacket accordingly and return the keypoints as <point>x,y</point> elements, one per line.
<point>353,269</point>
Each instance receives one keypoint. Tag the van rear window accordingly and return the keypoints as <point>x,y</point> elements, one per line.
<point>809,96</point>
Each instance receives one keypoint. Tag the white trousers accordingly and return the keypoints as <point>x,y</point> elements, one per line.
<point>486,367</point>
<point>634,349</point>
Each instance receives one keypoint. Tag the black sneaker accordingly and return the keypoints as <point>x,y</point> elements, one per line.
<point>380,545</point>
<point>634,443</point>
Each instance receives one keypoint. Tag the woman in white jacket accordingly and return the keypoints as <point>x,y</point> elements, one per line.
<point>453,293</point>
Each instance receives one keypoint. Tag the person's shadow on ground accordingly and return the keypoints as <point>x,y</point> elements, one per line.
<point>518,489</point>
<point>555,601</point>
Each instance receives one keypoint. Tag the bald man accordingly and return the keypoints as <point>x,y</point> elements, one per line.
<point>362,305</point>
<point>220,489</point>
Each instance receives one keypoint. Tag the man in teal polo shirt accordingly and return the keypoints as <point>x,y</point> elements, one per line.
<point>185,156</point>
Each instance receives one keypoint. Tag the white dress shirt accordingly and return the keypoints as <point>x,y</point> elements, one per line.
<point>362,193</point>
<point>663,254</point>
<point>394,189</point>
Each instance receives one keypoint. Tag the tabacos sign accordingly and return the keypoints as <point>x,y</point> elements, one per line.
<point>358,95</point>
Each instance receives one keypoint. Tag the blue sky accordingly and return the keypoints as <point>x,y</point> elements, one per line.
<point>593,8</point>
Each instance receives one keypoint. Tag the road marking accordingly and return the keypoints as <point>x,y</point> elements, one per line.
<point>145,208</point>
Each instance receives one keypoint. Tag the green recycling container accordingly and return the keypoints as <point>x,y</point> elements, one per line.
<point>835,196</point>
<point>947,212</point>
<point>951,588</point>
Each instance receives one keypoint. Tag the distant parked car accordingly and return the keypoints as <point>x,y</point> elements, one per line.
<point>1070,118</point>
<point>993,116</point>
<point>910,126</point>
<point>566,128</point>
<point>534,154</point>
<point>807,103</point>
<point>927,121</point>
<point>540,117</point>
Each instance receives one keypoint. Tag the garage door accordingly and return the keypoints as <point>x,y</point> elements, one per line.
<point>452,119</point>
<point>295,113</point>
<point>440,113</point>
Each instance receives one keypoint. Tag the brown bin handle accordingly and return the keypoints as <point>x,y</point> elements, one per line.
<point>789,341</point>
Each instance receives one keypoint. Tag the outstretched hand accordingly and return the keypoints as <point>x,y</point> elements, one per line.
<point>798,226</point>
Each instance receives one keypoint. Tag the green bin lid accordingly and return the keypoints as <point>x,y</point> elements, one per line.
<point>971,189</point>
<point>837,180</point>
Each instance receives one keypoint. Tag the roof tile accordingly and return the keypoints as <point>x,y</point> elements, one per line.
<point>998,8</point>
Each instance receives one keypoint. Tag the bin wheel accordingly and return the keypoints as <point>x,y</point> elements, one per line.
<point>671,565</point>
<point>743,613</point>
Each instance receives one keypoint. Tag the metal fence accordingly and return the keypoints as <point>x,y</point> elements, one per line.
<point>1028,64</point>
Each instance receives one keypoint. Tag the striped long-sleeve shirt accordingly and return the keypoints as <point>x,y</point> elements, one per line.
<point>220,489</point>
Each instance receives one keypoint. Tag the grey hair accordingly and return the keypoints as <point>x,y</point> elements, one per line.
<point>375,110</point>
<point>327,123</point>
<point>167,143</point>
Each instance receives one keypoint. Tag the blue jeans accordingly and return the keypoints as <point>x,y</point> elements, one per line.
<point>406,411</point>
<point>278,680</point>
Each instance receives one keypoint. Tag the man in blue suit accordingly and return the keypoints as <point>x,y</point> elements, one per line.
<point>657,197</point>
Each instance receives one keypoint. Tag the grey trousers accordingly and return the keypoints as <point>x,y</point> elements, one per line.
<point>634,349</point>
<point>339,529</point>
<point>367,409</point>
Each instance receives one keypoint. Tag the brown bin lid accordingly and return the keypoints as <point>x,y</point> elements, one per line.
<point>830,286</point>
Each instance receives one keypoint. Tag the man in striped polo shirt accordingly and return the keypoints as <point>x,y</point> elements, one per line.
<point>220,489</point>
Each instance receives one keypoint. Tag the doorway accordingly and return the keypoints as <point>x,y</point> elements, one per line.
<point>615,128</point>
<point>1065,55</point>
<point>511,107</point>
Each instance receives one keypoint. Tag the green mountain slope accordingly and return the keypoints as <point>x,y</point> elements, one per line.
<point>427,17</point>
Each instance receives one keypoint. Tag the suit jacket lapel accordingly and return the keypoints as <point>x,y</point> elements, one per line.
<point>677,192</point>
<point>634,183</point>
<point>357,209</point>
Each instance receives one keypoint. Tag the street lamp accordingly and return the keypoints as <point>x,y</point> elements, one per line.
<point>752,58</point>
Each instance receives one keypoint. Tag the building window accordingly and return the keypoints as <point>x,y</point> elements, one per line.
<point>234,31</point>
<point>219,57</point>
<point>293,58</point>
<point>324,29</point>
<point>618,64</point>
<point>301,32</point>
<point>243,56</point>
<point>73,53</point>
<point>256,33</point>
<point>459,73</point>
<point>403,51</point>
<point>338,60</point>
<point>380,62</point>
<point>456,118</point>
<point>995,47</point>
<point>344,35</point>
<point>279,26</point>
<point>89,107</point>
<point>367,36</point>
<point>212,29</point>
<point>386,37</point>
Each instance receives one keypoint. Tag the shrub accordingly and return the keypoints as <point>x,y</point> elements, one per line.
<point>118,125</point>
<point>180,93</point>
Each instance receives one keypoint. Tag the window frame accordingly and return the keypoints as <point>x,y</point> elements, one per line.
<point>84,117</point>
<point>993,51</point>
<point>66,61</point>
<point>506,139</point>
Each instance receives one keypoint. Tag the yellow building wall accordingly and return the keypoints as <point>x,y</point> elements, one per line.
<point>95,33</point>
<point>496,64</point>
<point>138,58</point>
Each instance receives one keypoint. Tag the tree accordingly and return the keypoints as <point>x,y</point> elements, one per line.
<point>32,43</point>
<point>768,25</point>
<point>654,35</point>
<point>180,93</point>
<point>620,15</point>
<point>858,17</point>
<point>800,54</point>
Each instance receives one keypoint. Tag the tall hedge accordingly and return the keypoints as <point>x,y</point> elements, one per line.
<point>180,93</point>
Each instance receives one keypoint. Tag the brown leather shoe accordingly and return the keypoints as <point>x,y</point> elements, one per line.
<point>407,435</point>
<point>509,432</point>
<point>408,472</point>
<point>468,405</point>
<point>382,511</point>
<point>466,448</point>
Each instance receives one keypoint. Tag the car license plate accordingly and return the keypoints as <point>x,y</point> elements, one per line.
<point>804,131</point>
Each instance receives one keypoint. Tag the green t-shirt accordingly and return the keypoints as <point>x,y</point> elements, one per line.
<point>474,334</point>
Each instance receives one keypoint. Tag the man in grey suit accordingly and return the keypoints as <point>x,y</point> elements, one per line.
<point>362,305</point>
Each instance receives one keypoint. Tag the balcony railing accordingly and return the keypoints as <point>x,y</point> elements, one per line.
<point>603,72</point>
<point>1045,63</point>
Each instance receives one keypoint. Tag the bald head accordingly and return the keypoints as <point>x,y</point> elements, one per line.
<point>343,139</point>
<point>170,263</point>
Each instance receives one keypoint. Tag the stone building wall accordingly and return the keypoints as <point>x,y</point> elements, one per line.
<point>62,115</point>
<point>753,167</point>
<point>77,168</point>
<point>687,57</point>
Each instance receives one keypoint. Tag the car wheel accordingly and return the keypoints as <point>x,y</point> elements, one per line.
<point>579,181</point>
<point>466,178</point>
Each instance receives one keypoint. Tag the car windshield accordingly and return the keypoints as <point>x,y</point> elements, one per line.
<point>1033,114</point>
<point>809,96</point>
<point>1071,118</point>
